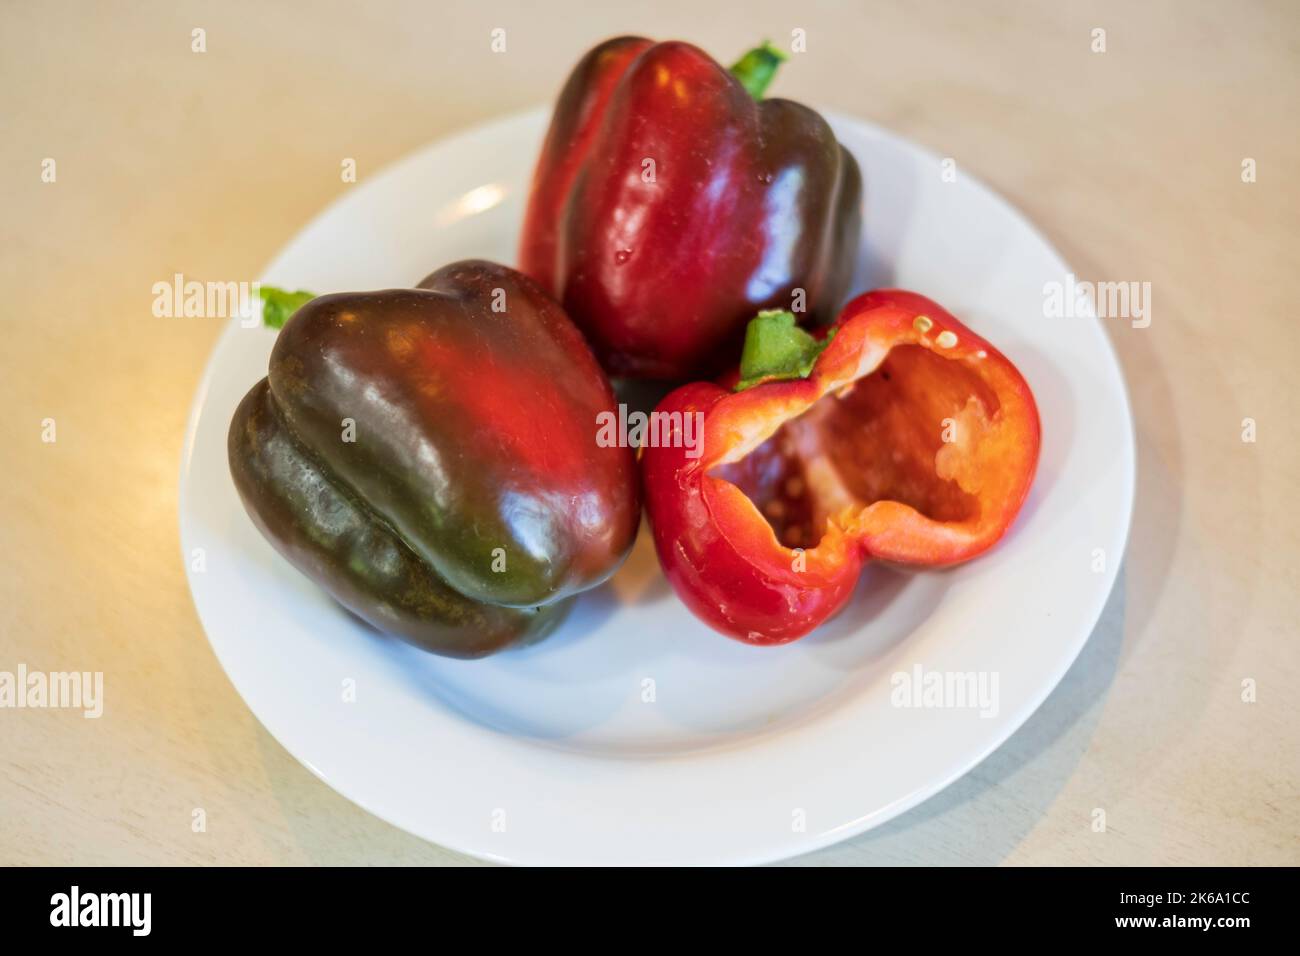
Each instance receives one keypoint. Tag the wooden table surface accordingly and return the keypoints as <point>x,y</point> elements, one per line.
<point>168,160</point>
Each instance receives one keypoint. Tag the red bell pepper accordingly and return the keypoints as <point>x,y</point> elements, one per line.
<point>670,204</point>
<point>902,435</point>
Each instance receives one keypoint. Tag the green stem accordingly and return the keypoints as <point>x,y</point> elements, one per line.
<point>776,349</point>
<point>756,68</point>
<point>279,305</point>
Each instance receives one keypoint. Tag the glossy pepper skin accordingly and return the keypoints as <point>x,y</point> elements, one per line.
<point>431,460</point>
<point>668,206</point>
<point>912,440</point>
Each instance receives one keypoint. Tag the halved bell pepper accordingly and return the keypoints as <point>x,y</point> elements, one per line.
<point>671,202</point>
<point>428,457</point>
<point>902,435</point>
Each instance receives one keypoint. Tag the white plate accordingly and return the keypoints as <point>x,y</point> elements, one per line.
<point>635,734</point>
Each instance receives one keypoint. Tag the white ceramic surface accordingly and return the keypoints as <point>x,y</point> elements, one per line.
<point>635,734</point>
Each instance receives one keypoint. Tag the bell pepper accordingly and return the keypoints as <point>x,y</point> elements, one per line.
<point>427,456</point>
<point>901,435</point>
<point>671,202</point>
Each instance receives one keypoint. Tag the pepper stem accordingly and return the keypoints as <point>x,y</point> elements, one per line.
<point>279,305</point>
<point>756,68</point>
<point>776,349</point>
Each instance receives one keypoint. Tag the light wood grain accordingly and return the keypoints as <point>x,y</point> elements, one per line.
<point>171,161</point>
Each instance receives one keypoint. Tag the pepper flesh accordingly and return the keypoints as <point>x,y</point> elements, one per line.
<point>668,206</point>
<point>430,459</point>
<point>912,440</point>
